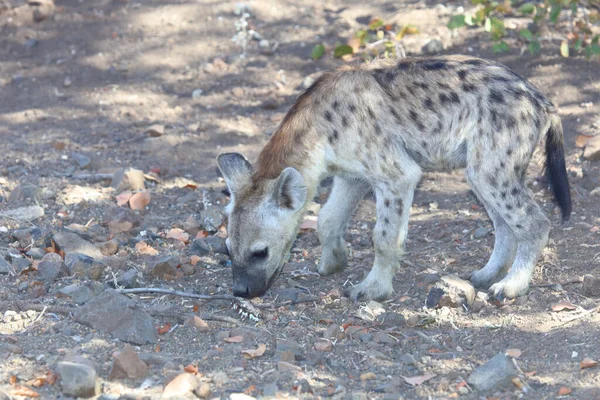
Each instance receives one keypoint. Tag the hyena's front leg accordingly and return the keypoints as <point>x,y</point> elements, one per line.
<point>393,208</point>
<point>345,196</point>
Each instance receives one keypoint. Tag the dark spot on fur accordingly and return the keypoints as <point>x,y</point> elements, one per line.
<point>509,152</point>
<point>344,121</point>
<point>335,105</point>
<point>422,85</point>
<point>333,136</point>
<point>509,207</point>
<point>492,180</point>
<point>530,209</point>
<point>385,77</point>
<point>496,97</point>
<point>454,97</point>
<point>514,191</point>
<point>399,207</point>
<point>468,87</point>
<point>432,65</point>
<point>443,85</point>
<point>328,116</point>
<point>386,202</point>
<point>444,98</point>
<point>415,117</point>
<point>511,122</point>
<point>519,226</point>
<point>411,90</point>
<point>371,113</point>
<point>352,108</point>
<point>377,129</point>
<point>396,115</point>
<point>386,220</point>
<point>428,103</point>
<point>462,74</point>
<point>383,233</point>
<point>475,62</point>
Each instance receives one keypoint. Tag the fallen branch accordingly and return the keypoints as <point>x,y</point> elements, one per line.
<point>93,177</point>
<point>178,293</point>
<point>287,303</point>
<point>20,305</point>
<point>182,318</point>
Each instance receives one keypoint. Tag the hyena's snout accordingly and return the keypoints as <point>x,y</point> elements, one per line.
<point>249,282</point>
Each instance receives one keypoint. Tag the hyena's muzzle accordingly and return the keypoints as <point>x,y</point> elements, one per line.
<point>251,281</point>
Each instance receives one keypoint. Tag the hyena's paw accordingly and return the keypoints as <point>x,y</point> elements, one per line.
<point>509,289</point>
<point>483,279</point>
<point>366,291</point>
<point>333,260</point>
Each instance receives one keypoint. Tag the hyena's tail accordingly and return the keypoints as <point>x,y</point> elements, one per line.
<point>555,166</point>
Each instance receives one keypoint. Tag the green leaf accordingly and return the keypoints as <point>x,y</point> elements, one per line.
<point>317,52</point>
<point>574,7</point>
<point>596,39</point>
<point>376,23</point>
<point>498,29</point>
<point>564,49</point>
<point>526,34</point>
<point>342,50</point>
<point>555,12</point>
<point>456,21</point>
<point>578,44</point>
<point>527,8</point>
<point>500,47</point>
<point>534,47</point>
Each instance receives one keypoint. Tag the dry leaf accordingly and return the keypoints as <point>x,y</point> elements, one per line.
<point>253,353</point>
<point>179,234</point>
<point>563,305</point>
<point>355,44</point>
<point>201,234</point>
<point>309,222</point>
<point>143,248</point>
<point>12,380</point>
<point>587,363</point>
<point>37,382</point>
<point>196,308</point>
<point>191,186</point>
<point>517,382</point>
<point>198,323</point>
<point>582,140</point>
<point>514,353</point>
<point>222,232</point>
<point>51,378</point>
<point>234,339</point>
<point>191,369</point>
<point>418,380</point>
<point>194,260</point>
<point>164,329</point>
<point>24,391</point>
<point>563,391</point>
<point>139,200</point>
<point>123,198</point>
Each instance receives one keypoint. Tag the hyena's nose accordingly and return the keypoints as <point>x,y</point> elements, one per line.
<point>241,290</point>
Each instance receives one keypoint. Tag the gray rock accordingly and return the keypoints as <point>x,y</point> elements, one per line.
<point>24,213</point>
<point>212,219</point>
<point>590,181</point>
<point>5,267</point>
<point>591,286</point>
<point>197,93</point>
<point>116,314</point>
<point>79,293</point>
<point>451,291</point>
<point>165,267</point>
<point>592,149</point>
<point>284,345</point>
<point>24,191</point>
<point>78,380</point>
<point>20,264</point>
<point>391,319</point>
<point>217,244</point>
<point>36,253</point>
<point>127,279</point>
<point>499,371</point>
<point>29,236</point>
<point>52,270</point>
<point>481,232</point>
<point>200,248</point>
<point>70,242</point>
<point>4,396</point>
<point>84,266</point>
<point>434,46</point>
<point>82,160</point>
<point>270,389</point>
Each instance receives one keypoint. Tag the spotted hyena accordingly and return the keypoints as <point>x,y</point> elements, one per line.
<point>378,127</point>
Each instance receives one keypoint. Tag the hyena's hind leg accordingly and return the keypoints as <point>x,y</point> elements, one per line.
<point>345,196</point>
<point>503,254</point>
<point>507,196</point>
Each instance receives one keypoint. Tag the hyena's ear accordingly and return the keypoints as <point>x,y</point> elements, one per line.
<point>235,168</point>
<point>290,190</point>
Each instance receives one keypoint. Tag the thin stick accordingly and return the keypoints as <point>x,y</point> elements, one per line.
<point>177,293</point>
<point>35,320</point>
<point>287,303</point>
<point>585,314</point>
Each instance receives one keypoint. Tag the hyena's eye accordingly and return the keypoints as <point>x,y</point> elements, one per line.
<point>260,254</point>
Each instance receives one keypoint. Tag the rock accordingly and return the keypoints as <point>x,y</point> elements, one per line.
<point>52,270</point>
<point>499,371</point>
<point>79,293</point>
<point>197,93</point>
<point>114,313</point>
<point>42,9</point>
<point>127,279</point>
<point>30,237</point>
<point>24,191</point>
<point>165,267</point>
<point>70,242</point>
<point>592,149</point>
<point>285,345</point>
<point>5,267</point>
<point>368,376</point>
<point>590,181</point>
<point>270,389</point>
<point>36,253</point>
<point>82,160</point>
<point>591,286</point>
<point>264,43</point>
<point>183,386</point>
<point>217,244</point>
<point>19,265</point>
<point>391,319</point>
<point>67,82</point>
<point>200,247</point>
<point>434,46</point>
<point>156,130</point>
<point>128,365</point>
<point>323,345</point>
<point>109,248</point>
<point>77,380</point>
<point>116,227</point>
<point>10,348</point>
<point>192,225</point>
<point>128,179</point>
<point>84,266</point>
<point>481,232</point>
<point>451,291</point>
<point>211,219</point>
<point>77,359</point>
<point>24,213</point>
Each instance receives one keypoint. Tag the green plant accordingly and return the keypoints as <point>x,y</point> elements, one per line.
<point>490,15</point>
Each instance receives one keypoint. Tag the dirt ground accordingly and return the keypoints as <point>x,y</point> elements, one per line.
<point>93,77</point>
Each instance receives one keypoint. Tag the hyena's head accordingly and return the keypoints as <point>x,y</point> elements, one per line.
<point>262,224</point>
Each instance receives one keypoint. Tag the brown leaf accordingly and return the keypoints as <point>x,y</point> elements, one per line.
<point>12,380</point>
<point>191,186</point>
<point>582,140</point>
<point>234,339</point>
<point>563,391</point>
<point>201,234</point>
<point>194,259</point>
<point>116,227</point>
<point>418,380</point>
<point>51,378</point>
<point>587,363</point>
<point>563,305</point>
<point>198,323</point>
<point>24,391</point>
<point>178,234</point>
<point>191,369</point>
<point>123,198</point>
<point>514,353</point>
<point>355,44</point>
<point>196,308</point>
<point>253,353</point>
<point>139,200</point>
<point>164,329</point>
<point>144,248</point>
